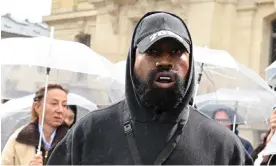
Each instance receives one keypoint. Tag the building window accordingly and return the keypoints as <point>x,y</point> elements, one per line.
<point>4,101</point>
<point>81,77</point>
<point>83,38</point>
<point>41,70</point>
<point>273,42</point>
<point>9,86</point>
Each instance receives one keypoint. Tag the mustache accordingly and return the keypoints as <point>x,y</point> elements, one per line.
<point>165,68</point>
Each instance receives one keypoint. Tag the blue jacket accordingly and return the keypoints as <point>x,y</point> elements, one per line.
<point>247,145</point>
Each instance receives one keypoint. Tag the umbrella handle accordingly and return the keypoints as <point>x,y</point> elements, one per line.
<point>200,74</point>
<point>234,123</point>
<point>43,110</point>
<point>198,83</point>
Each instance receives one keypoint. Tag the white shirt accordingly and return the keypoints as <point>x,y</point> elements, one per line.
<point>47,144</point>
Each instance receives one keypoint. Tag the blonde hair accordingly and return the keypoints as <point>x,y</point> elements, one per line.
<point>39,95</point>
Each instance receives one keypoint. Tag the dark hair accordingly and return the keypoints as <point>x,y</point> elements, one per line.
<point>226,110</point>
<point>260,147</point>
<point>230,114</point>
<point>74,109</point>
<point>39,95</point>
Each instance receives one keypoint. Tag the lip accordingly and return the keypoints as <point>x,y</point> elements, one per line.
<point>165,74</point>
<point>58,118</point>
<point>163,84</point>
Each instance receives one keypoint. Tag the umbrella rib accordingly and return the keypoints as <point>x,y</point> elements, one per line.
<point>212,82</point>
<point>221,74</point>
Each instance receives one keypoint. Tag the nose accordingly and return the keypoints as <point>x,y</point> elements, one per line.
<point>165,61</point>
<point>60,108</point>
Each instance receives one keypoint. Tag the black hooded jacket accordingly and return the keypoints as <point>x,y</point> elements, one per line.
<point>99,137</point>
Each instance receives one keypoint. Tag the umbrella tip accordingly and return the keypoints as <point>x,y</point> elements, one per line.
<point>48,70</point>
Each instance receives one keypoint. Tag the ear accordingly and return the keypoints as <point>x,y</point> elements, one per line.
<point>37,107</point>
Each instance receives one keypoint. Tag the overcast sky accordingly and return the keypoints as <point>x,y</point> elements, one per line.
<point>26,9</point>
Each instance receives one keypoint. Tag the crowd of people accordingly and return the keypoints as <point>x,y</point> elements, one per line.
<point>155,123</point>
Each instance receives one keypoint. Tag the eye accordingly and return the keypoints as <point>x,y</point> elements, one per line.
<point>152,52</point>
<point>177,51</point>
<point>54,103</point>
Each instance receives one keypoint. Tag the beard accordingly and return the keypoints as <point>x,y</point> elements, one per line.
<point>157,98</point>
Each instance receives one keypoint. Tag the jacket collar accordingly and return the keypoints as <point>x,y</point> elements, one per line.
<point>30,134</point>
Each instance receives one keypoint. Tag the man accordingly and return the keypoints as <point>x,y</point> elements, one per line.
<point>225,116</point>
<point>154,124</point>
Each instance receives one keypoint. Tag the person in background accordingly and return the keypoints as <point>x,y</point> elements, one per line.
<point>70,117</point>
<point>22,145</point>
<point>225,116</point>
<point>261,147</point>
<point>271,159</point>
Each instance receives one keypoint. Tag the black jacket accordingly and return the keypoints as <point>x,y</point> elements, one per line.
<point>99,137</point>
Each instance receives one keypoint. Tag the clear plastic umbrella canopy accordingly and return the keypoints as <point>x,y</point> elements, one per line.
<point>119,75</point>
<point>73,65</point>
<point>17,112</point>
<point>26,102</point>
<point>218,69</point>
<point>218,58</point>
<point>53,53</point>
<point>210,63</point>
<point>250,106</point>
<point>270,72</point>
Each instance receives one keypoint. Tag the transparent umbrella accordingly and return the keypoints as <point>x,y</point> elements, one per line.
<point>217,69</point>
<point>119,75</point>
<point>249,106</point>
<point>73,65</point>
<point>26,102</point>
<point>270,72</point>
<point>53,53</point>
<point>212,60</point>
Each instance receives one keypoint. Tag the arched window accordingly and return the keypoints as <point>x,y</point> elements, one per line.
<point>83,38</point>
<point>273,42</point>
<point>4,100</point>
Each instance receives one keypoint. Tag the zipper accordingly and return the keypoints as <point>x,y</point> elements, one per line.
<point>46,154</point>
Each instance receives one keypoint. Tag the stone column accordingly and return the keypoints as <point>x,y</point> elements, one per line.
<point>106,31</point>
<point>224,18</point>
<point>243,34</point>
<point>200,16</point>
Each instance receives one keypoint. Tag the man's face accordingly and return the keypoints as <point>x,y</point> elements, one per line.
<point>223,118</point>
<point>160,74</point>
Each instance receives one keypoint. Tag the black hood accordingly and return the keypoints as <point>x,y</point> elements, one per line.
<point>137,110</point>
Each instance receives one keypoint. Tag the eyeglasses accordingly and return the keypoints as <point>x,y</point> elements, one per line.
<point>223,121</point>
